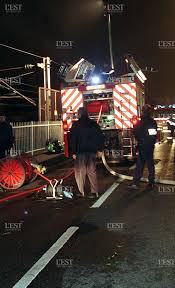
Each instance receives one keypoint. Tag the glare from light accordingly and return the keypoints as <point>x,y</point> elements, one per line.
<point>95,80</point>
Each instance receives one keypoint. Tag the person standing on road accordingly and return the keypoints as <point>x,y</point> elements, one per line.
<point>86,141</point>
<point>6,136</point>
<point>145,133</point>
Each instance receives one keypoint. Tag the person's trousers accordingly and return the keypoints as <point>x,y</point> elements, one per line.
<point>145,156</point>
<point>85,165</point>
<point>2,153</point>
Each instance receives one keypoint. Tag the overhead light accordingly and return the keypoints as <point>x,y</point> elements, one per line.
<point>126,60</point>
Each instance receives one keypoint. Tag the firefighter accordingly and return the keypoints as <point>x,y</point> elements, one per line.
<point>145,133</point>
<point>6,136</point>
<point>86,140</point>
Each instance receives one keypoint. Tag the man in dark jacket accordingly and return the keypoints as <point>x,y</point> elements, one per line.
<point>6,136</point>
<point>145,133</point>
<point>86,139</point>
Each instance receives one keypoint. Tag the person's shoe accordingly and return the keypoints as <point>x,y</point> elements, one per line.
<point>93,196</point>
<point>133,186</point>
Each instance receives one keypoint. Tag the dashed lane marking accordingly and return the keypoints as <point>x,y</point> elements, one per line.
<point>45,259</point>
<point>108,192</point>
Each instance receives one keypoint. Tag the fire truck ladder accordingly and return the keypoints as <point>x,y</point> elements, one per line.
<point>127,143</point>
<point>126,137</point>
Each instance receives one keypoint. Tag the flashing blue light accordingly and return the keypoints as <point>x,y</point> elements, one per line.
<point>95,79</point>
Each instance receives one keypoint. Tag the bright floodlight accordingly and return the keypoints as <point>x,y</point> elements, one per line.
<point>95,80</point>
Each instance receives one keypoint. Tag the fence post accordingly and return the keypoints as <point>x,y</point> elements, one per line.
<point>32,137</point>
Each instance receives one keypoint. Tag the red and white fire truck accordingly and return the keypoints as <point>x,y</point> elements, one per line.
<point>115,105</point>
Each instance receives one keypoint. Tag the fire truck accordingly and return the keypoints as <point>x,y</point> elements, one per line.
<point>115,105</point>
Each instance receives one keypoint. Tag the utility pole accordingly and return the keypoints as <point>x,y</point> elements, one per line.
<point>45,65</point>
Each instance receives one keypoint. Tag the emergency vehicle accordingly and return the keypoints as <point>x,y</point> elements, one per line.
<point>115,105</point>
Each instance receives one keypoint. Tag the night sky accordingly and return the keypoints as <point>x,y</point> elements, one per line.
<point>135,30</point>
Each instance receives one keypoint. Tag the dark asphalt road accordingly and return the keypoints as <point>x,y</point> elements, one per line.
<point>127,242</point>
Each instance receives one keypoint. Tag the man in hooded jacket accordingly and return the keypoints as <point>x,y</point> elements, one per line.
<point>86,139</point>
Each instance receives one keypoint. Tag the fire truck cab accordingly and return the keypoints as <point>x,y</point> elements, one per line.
<point>115,105</point>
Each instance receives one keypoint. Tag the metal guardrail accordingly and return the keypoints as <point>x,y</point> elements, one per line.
<point>32,136</point>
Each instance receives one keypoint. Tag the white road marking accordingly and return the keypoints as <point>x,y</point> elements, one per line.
<point>45,259</point>
<point>108,192</point>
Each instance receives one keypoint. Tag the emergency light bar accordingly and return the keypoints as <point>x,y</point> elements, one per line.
<point>95,87</point>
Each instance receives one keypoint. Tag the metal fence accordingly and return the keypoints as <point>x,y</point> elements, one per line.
<point>32,136</point>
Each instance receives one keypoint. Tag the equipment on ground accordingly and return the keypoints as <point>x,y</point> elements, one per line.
<point>16,171</point>
<point>54,146</point>
<point>22,169</point>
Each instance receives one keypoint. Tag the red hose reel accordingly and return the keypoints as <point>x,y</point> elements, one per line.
<point>16,171</point>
